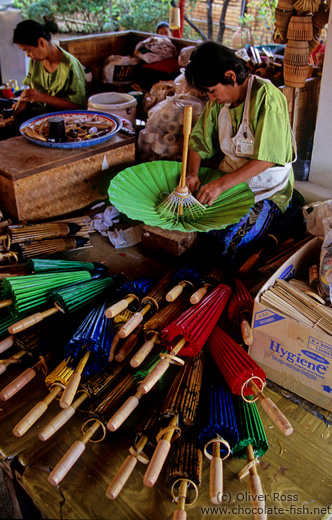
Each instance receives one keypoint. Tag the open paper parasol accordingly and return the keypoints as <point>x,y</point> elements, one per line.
<point>218,431</point>
<point>252,444</point>
<point>88,350</point>
<point>240,308</point>
<point>240,372</point>
<point>137,190</point>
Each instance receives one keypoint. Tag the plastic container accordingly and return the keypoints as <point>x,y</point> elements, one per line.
<point>122,105</point>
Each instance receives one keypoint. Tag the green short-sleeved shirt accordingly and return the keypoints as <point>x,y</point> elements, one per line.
<point>269,123</point>
<point>67,81</point>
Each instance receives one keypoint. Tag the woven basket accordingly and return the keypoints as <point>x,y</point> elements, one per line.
<point>300,28</point>
<point>296,63</point>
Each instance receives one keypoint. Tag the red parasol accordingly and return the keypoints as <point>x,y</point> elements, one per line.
<point>240,308</point>
<point>190,332</point>
<point>240,370</point>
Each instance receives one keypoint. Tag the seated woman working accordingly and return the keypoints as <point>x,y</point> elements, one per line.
<point>56,79</point>
<point>245,124</point>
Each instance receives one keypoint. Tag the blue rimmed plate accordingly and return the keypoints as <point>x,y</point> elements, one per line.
<point>77,116</point>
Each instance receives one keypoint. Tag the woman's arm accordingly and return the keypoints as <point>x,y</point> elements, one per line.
<point>194,163</point>
<point>210,192</point>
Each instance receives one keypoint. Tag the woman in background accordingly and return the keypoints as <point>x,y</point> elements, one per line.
<point>55,80</point>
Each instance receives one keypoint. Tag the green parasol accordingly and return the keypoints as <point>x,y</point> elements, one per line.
<point>138,189</point>
<point>42,265</point>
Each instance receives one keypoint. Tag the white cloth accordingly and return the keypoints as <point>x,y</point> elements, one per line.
<point>266,183</point>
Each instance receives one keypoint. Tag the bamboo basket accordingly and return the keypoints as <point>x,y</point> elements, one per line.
<point>296,63</point>
<point>282,19</point>
<point>300,28</point>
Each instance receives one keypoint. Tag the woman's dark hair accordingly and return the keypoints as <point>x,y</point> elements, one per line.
<point>28,32</point>
<point>208,64</point>
<point>161,24</point>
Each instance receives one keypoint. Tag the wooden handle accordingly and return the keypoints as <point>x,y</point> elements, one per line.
<point>3,368</point>
<point>18,383</point>
<point>56,423</point>
<point>249,264</point>
<point>127,347</point>
<point>121,477</point>
<point>246,331</point>
<point>156,463</point>
<point>70,390</point>
<point>198,295</point>
<point>118,307</point>
<point>179,514</point>
<point>30,418</point>
<point>123,413</point>
<point>216,475</point>
<point>276,415</point>
<point>175,292</point>
<point>256,492</point>
<point>151,379</point>
<point>7,343</point>
<point>131,324</point>
<point>24,324</point>
<point>115,342</point>
<point>66,463</point>
<point>187,119</point>
<point>5,303</point>
<point>143,352</point>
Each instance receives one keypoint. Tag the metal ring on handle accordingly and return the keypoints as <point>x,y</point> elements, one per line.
<point>44,365</point>
<point>174,359</point>
<point>12,255</point>
<point>221,441</point>
<point>168,429</point>
<point>103,428</point>
<point>176,499</point>
<point>245,470</point>
<point>245,383</point>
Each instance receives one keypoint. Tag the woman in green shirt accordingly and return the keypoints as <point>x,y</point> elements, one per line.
<point>245,128</point>
<point>56,79</point>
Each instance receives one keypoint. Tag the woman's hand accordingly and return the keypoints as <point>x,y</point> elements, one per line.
<point>33,96</point>
<point>193,182</point>
<point>210,192</point>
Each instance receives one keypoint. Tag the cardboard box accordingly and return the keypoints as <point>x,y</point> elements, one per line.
<point>294,355</point>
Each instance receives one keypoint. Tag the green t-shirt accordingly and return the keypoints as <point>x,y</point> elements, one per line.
<point>67,81</point>
<point>269,123</point>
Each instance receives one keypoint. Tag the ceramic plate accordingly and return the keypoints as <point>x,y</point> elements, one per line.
<point>75,117</point>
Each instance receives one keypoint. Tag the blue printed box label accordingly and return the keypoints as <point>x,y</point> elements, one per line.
<point>266,317</point>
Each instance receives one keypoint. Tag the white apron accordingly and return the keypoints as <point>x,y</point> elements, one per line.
<point>265,184</point>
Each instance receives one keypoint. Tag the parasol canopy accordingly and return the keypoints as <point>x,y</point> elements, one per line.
<point>131,293</point>
<point>240,308</point>
<point>251,429</point>
<point>138,189</point>
<point>45,265</point>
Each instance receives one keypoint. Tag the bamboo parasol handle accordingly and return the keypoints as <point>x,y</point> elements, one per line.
<point>19,382</point>
<point>6,343</point>
<point>156,463</point>
<point>59,420</point>
<point>249,264</point>
<point>175,292</point>
<point>115,343</point>
<point>187,120</point>
<point>246,331</point>
<point>24,324</point>
<point>216,474</point>
<point>255,486</point>
<point>143,352</point>
<point>127,347</point>
<point>123,413</point>
<point>121,477</point>
<point>5,303</point>
<point>159,370</point>
<point>118,307</point>
<point>72,456</point>
<point>198,295</point>
<point>37,411</point>
<point>73,383</point>
<point>180,513</point>
<point>273,411</point>
<point>131,324</point>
